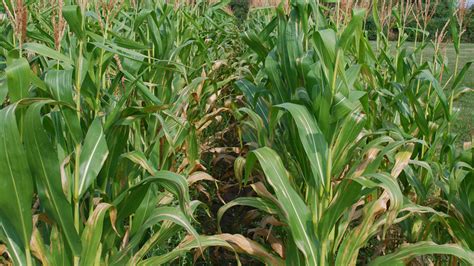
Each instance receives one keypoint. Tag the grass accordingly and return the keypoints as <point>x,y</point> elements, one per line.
<point>465,122</point>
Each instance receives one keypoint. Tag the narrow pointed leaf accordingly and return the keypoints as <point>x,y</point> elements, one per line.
<point>92,234</point>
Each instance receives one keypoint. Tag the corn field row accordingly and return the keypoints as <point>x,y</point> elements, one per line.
<point>135,132</point>
<point>253,3</point>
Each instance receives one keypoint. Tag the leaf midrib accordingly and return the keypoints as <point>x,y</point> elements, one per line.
<point>86,169</point>
<point>56,207</point>
<point>14,184</point>
<point>297,215</point>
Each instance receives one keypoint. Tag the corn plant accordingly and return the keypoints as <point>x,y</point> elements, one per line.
<point>104,107</point>
<point>347,123</point>
<point>107,107</point>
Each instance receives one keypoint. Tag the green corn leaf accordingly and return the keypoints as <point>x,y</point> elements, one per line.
<point>313,140</point>
<point>454,26</point>
<point>93,154</point>
<point>167,230</point>
<point>256,44</point>
<point>144,90</point>
<point>407,252</point>
<point>172,214</point>
<point>43,50</point>
<point>296,212</point>
<point>342,106</point>
<point>205,241</point>
<point>73,16</point>
<point>325,42</point>
<point>130,54</point>
<point>425,75</point>
<point>461,75</point>
<point>128,201</point>
<point>117,141</point>
<point>290,49</point>
<point>348,194</point>
<point>139,158</point>
<point>18,79</point>
<point>14,244</point>
<point>44,163</point>
<point>92,234</point>
<point>143,211</point>
<point>59,83</point>
<point>257,123</point>
<point>140,18</point>
<point>344,141</point>
<point>192,150</point>
<point>354,27</point>
<point>351,244</point>
<point>274,72</point>
<point>236,243</point>
<point>173,182</point>
<point>258,203</point>
<point>16,188</point>
<point>3,88</point>
<point>250,92</point>
<point>375,15</point>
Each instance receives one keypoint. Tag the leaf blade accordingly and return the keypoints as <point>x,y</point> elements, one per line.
<point>92,157</point>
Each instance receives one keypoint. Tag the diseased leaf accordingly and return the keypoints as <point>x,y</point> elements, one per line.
<point>92,234</point>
